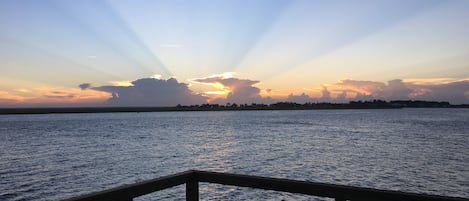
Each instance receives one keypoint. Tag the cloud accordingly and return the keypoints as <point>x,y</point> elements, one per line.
<point>152,92</point>
<point>8,98</point>
<point>84,86</point>
<point>303,98</point>
<point>454,92</point>
<point>341,98</point>
<point>52,96</point>
<point>240,91</point>
<point>359,86</point>
<point>60,95</point>
<point>326,95</point>
<point>160,92</point>
<point>243,91</point>
<point>395,89</point>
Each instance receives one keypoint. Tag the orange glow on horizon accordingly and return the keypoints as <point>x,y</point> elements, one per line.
<point>52,95</point>
<point>6,96</point>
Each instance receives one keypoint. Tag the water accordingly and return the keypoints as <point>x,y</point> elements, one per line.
<point>56,156</point>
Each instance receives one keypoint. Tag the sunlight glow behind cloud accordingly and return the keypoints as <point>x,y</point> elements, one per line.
<point>287,46</point>
<point>121,83</point>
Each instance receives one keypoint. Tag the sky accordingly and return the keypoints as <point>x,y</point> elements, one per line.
<point>61,53</point>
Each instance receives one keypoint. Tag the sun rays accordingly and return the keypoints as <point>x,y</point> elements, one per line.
<point>283,47</point>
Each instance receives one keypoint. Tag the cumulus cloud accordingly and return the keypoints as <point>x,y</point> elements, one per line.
<point>395,89</point>
<point>152,92</point>
<point>326,95</point>
<point>454,92</point>
<point>361,87</point>
<point>240,91</point>
<point>341,98</point>
<point>302,98</point>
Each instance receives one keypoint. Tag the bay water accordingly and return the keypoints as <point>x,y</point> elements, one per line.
<point>57,156</point>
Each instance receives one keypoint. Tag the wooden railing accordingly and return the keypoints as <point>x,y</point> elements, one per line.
<point>192,178</point>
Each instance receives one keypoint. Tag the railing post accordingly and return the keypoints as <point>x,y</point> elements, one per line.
<point>192,190</point>
<point>340,198</point>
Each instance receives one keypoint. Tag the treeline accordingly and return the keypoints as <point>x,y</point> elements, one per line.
<point>372,104</point>
<point>291,106</point>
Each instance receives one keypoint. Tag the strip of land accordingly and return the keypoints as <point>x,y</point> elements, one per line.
<point>374,104</point>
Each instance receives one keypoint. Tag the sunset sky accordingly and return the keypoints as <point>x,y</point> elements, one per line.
<point>168,52</point>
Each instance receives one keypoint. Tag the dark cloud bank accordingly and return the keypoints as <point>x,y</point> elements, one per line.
<point>151,92</point>
<point>453,92</point>
<point>170,92</point>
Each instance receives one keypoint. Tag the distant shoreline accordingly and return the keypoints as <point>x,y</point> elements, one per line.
<point>375,104</point>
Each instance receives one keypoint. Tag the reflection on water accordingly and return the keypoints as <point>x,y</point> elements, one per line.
<point>50,157</point>
<point>216,151</point>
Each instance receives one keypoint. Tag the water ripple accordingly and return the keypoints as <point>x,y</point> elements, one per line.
<point>51,157</point>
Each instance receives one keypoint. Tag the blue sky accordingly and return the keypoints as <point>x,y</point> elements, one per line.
<point>288,47</point>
